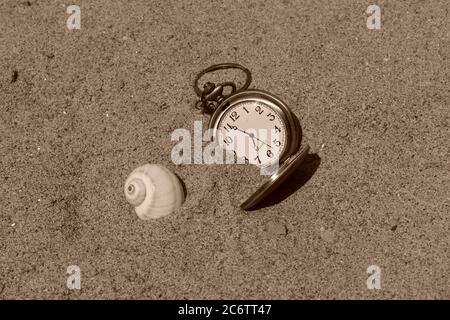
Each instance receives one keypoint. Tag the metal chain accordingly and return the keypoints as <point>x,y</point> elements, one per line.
<point>212,95</point>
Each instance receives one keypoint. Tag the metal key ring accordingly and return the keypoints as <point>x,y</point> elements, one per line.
<point>222,66</point>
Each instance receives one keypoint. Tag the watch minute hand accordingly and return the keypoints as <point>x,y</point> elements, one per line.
<point>262,141</point>
<point>252,135</point>
<point>236,128</point>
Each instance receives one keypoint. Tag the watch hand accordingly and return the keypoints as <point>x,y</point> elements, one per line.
<point>264,143</point>
<point>249,134</point>
<point>236,128</point>
<point>252,135</point>
<point>253,139</point>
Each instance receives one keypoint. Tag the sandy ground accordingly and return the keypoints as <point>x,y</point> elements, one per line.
<point>80,109</point>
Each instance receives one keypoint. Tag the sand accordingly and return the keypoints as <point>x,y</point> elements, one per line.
<point>80,109</point>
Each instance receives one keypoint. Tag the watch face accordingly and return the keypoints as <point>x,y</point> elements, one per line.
<point>254,130</point>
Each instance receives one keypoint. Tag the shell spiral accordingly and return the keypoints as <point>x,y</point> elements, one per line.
<point>135,191</point>
<point>154,191</point>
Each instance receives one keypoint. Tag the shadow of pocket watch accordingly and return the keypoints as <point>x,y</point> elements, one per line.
<point>270,131</point>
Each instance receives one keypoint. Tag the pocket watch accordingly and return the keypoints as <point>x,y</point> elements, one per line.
<point>246,113</point>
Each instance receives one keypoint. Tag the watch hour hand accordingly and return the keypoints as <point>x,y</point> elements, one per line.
<point>254,143</point>
<point>252,135</point>
<point>253,140</point>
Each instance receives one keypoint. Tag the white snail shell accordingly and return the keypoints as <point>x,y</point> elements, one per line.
<point>154,191</point>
